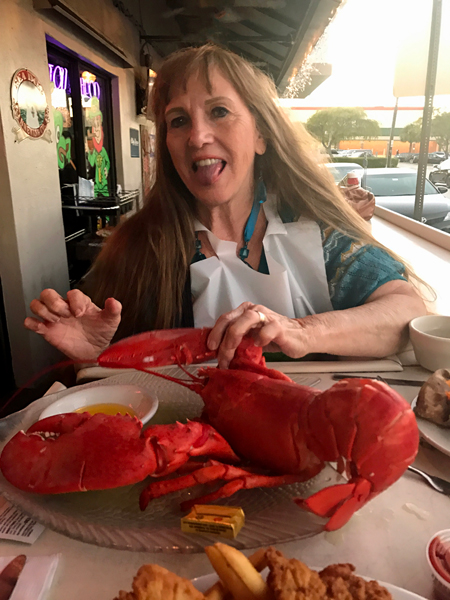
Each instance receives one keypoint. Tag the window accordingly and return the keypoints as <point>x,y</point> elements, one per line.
<point>82,112</point>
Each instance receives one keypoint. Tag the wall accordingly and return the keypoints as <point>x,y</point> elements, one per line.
<point>32,247</point>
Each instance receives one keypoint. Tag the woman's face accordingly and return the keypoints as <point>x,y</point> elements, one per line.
<point>212,139</point>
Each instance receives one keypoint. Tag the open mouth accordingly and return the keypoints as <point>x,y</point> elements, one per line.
<point>209,163</point>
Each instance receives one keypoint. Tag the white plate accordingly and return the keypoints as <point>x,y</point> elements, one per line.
<point>140,400</point>
<point>437,436</point>
<point>205,582</point>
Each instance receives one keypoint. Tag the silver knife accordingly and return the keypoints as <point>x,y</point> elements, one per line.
<point>390,380</point>
<point>10,575</point>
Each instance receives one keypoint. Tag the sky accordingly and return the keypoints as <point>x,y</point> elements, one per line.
<point>363,43</point>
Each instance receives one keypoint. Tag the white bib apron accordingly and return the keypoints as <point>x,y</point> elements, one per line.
<point>295,287</point>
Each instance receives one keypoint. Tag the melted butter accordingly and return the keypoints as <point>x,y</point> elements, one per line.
<point>107,409</point>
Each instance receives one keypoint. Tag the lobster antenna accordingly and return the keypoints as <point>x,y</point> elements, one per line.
<point>64,363</point>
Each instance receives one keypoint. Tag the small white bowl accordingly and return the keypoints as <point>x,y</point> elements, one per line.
<point>143,403</point>
<point>441,586</point>
<point>430,337</point>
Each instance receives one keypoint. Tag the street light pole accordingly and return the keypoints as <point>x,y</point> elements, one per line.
<point>391,139</point>
<point>430,85</point>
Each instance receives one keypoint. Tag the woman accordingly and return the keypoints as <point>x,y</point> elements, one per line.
<point>242,230</point>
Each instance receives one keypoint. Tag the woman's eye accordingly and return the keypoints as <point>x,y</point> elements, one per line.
<point>177,122</point>
<point>219,112</point>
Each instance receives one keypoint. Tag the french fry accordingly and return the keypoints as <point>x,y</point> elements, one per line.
<point>219,592</point>
<point>216,592</point>
<point>237,573</point>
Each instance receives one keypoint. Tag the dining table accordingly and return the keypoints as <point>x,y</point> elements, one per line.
<point>386,539</point>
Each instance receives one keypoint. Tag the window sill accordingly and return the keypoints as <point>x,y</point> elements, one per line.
<point>426,232</point>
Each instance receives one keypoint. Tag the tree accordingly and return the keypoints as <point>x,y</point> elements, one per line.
<point>332,125</point>
<point>440,129</point>
<point>411,133</point>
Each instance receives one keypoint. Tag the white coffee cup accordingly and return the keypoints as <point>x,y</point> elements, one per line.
<point>430,337</point>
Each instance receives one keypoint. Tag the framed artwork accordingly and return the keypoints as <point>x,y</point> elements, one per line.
<point>29,107</point>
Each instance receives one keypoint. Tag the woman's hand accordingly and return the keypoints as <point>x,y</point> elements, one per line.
<point>361,200</point>
<point>274,332</point>
<point>75,325</point>
<point>376,329</point>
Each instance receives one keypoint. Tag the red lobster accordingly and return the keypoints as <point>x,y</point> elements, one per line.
<point>253,412</point>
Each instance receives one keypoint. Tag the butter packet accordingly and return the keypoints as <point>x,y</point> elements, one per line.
<point>224,521</point>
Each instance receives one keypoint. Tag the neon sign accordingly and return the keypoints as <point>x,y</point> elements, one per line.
<point>89,88</point>
<point>59,76</point>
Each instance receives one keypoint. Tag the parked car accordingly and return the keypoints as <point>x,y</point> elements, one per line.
<point>441,174</point>
<point>395,189</point>
<point>434,158</point>
<point>404,156</point>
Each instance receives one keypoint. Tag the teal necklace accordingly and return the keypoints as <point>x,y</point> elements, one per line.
<point>260,198</point>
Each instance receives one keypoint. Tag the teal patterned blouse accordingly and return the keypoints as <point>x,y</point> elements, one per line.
<point>355,271</point>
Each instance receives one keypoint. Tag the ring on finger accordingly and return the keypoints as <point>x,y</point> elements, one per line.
<point>262,317</point>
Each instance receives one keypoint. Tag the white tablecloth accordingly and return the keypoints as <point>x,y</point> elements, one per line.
<point>385,540</point>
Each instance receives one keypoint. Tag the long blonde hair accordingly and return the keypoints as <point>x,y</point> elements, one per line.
<point>146,261</point>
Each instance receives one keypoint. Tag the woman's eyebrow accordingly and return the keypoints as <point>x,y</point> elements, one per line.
<point>223,99</point>
<point>176,109</point>
<point>215,100</point>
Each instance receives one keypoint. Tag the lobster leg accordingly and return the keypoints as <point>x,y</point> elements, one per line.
<point>238,478</point>
<point>175,444</point>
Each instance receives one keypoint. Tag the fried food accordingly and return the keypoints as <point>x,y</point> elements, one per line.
<point>433,402</point>
<point>290,579</point>
<point>343,584</point>
<point>153,582</point>
<point>237,573</point>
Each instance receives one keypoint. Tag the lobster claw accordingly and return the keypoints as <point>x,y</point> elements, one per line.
<point>152,349</point>
<point>76,452</point>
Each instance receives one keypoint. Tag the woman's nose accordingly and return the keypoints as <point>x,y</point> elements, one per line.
<point>200,133</point>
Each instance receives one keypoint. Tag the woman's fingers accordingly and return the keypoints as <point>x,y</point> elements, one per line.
<point>223,322</point>
<point>247,321</point>
<point>113,308</point>
<point>40,310</point>
<point>35,325</point>
<point>78,303</point>
<point>53,302</point>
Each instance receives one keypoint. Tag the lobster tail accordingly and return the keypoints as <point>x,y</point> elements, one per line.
<point>370,431</point>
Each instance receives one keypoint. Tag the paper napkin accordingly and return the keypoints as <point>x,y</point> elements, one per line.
<point>36,577</point>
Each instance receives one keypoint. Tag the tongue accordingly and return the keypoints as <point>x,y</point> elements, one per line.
<point>207,175</point>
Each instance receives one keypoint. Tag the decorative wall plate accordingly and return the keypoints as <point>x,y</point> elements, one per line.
<point>29,107</point>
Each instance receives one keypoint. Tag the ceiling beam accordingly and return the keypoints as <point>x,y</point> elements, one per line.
<point>273,14</point>
<point>268,51</point>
